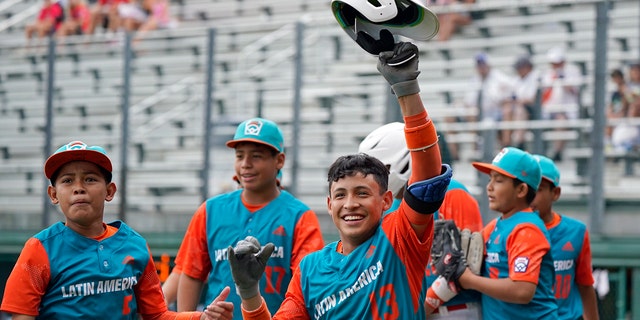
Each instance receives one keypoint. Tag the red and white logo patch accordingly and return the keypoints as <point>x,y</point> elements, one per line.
<point>447,258</point>
<point>521,264</point>
<point>252,128</point>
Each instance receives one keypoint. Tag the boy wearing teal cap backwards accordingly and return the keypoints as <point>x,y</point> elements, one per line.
<point>260,208</point>
<point>83,268</point>
<point>518,274</point>
<point>570,249</point>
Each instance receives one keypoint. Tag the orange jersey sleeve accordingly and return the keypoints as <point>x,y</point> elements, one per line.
<point>307,238</point>
<point>194,254</point>
<point>526,240</point>
<point>584,269</point>
<point>462,208</point>
<point>28,281</point>
<point>150,299</point>
<point>262,313</point>
<point>149,296</point>
<point>293,306</point>
<point>177,262</point>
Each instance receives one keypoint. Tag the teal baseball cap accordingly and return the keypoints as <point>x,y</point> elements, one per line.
<point>76,151</point>
<point>258,130</point>
<point>548,169</point>
<point>514,163</point>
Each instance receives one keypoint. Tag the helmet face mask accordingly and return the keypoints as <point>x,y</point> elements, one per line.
<point>408,18</point>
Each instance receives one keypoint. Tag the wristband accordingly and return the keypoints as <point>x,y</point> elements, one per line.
<point>406,88</point>
<point>440,292</point>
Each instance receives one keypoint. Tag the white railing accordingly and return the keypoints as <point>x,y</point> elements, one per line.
<point>150,101</point>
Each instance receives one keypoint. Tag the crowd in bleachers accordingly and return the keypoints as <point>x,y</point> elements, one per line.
<point>501,95</point>
<point>79,17</point>
<point>89,78</point>
<point>551,92</point>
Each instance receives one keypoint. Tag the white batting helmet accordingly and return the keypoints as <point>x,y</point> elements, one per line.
<point>409,18</point>
<point>388,145</point>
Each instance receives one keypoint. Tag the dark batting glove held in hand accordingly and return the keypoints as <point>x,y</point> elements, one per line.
<point>400,68</point>
<point>248,261</point>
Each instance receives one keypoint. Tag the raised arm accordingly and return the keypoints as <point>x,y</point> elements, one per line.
<point>429,178</point>
<point>400,68</point>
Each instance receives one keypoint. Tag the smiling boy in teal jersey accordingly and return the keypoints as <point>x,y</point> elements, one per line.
<point>260,208</point>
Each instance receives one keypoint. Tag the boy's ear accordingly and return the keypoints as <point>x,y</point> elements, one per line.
<point>53,195</point>
<point>522,189</point>
<point>388,200</point>
<point>111,191</point>
<point>280,157</point>
<point>556,193</point>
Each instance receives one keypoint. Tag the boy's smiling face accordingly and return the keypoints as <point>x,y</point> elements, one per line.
<point>356,204</point>
<point>81,191</point>
<point>256,167</point>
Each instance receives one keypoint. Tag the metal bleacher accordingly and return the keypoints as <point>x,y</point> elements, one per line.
<point>343,96</point>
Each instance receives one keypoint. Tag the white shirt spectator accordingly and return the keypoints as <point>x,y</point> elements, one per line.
<point>560,87</point>
<point>495,86</point>
<point>525,89</point>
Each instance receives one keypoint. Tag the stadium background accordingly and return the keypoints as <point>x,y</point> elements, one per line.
<point>290,62</point>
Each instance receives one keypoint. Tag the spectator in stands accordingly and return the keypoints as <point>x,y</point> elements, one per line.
<point>523,99</point>
<point>624,103</point>
<point>134,13</point>
<point>49,20</point>
<point>78,21</point>
<point>618,106</point>
<point>634,87</point>
<point>105,14</point>
<point>634,76</point>
<point>560,93</point>
<point>450,22</point>
<point>158,18</point>
<point>489,91</point>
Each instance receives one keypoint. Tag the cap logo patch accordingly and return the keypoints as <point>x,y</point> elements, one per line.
<point>253,128</point>
<point>500,155</point>
<point>76,145</point>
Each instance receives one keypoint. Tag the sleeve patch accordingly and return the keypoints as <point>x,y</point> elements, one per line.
<point>521,264</point>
